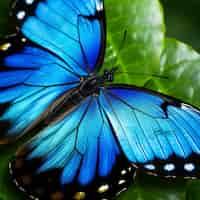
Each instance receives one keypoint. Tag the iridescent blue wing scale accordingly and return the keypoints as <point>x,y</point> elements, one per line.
<point>156,133</point>
<point>73,30</point>
<point>30,80</point>
<point>79,154</point>
<point>58,43</point>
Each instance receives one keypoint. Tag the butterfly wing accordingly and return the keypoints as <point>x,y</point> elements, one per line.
<point>156,133</point>
<point>74,30</point>
<point>59,42</point>
<point>30,80</point>
<point>75,158</point>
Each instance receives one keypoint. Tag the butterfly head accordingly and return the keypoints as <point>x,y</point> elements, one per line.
<point>91,84</point>
<point>108,75</point>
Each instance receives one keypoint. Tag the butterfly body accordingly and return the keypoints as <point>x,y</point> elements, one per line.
<point>91,85</point>
<point>88,86</point>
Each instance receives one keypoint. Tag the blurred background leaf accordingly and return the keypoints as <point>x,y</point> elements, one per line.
<point>182,20</point>
<point>168,65</point>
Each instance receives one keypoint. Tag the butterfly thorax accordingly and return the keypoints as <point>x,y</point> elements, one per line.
<point>89,86</point>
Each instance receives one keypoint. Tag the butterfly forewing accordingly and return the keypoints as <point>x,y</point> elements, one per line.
<point>47,58</point>
<point>31,79</point>
<point>73,30</point>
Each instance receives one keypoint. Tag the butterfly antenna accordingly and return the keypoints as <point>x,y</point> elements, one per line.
<point>115,68</point>
<point>144,74</point>
<point>123,41</point>
<point>121,46</point>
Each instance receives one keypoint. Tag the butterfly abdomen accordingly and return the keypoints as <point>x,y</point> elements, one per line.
<point>67,102</point>
<point>64,104</point>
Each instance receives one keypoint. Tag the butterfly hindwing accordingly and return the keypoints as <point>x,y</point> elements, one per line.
<point>79,154</point>
<point>82,154</point>
<point>156,133</point>
<point>74,30</point>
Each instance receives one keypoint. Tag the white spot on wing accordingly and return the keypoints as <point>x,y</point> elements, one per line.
<point>189,167</point>
<point>23,39</point>
<point>123,172</point>
<point>121,182</point>
<point>21,14</point>
<point>150,167</point>
<point>5,47</point>
<point>169,167</point>
<point>103,188</point>
<point>29,2</point>
<point>129,169</point>
<point>99,5</point>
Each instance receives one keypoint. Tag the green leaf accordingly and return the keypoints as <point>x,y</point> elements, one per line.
<point>151,59</point>
<point>180,63</point>
<point>140,51</point>
<point>154,188</point>
<point>182,20</point>
<point>7,189</point>
<point>193,192</point>
<point>5,24</point>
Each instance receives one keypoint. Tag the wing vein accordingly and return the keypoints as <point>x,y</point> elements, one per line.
<point>120,99</point>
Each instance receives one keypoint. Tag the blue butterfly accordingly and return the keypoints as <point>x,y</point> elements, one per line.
<point>91,134</point>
